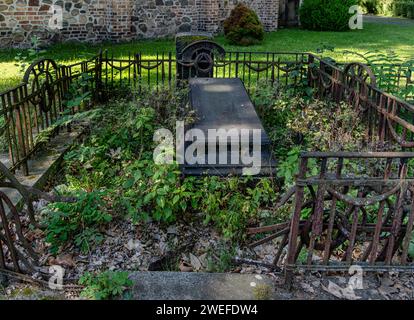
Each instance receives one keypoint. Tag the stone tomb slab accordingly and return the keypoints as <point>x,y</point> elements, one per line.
<point>225,104</point>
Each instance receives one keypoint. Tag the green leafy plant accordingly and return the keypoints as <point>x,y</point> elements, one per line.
<point>390,70</point>
<point>79,93</point>
<point>155,191</point>
<point>24,58</point>
<point>243,27</point>
<point>231,204</point>
<point>106,285</point>
<point>326,15</point>
<point>78,221</point>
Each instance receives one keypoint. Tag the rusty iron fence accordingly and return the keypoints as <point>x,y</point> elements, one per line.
<point>388,117</point>
<point>17,250</point>
<point>358,210</point>
<point>37,103</point>
<point>150,71</point>
<point>385,227</point>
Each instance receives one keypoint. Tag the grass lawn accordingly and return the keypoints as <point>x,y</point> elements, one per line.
<point>374,36</point>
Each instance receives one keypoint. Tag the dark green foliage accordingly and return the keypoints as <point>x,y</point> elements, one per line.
<point>370,6</point>
<point>118,159</point>
<point>243,27</point>
<point>105,285</point>
<point>403,9</point>
<point>396,8</point>
<point>79,221</point>
<point>326,15</point>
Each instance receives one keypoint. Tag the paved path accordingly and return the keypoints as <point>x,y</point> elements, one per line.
<point>389,20</point>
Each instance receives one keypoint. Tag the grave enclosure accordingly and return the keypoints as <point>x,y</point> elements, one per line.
<point>219,83</point>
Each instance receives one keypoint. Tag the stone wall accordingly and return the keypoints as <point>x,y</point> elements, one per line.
<point>117,20</point>
<point>154,18</point>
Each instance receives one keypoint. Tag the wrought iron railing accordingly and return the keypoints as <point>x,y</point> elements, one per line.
<point>375,207</point>
<point>37,103</point>
<point>357,210</point>
<point>162,68</point>
<point>388,118</point>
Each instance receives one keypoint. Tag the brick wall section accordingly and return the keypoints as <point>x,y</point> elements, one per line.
<point>118,20</point>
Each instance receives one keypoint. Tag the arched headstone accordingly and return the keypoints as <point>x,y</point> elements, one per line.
<point>195,55</point>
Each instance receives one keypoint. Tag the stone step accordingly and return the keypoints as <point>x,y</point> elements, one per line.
<point>200,286</point>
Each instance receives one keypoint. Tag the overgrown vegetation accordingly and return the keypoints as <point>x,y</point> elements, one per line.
<point>106,285</point>
<point>80,221</point>
<point>243,27</point>
<point>326,15</point>
<point>391,72</point>
<point>115,176</point>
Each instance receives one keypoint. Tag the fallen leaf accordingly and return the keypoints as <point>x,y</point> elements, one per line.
<point>308,288</point>
<point>195,262</point>
<point>65,260</point>
<point>185,267</point>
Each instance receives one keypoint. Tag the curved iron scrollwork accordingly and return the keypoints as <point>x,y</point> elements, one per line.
<point>358,79</point>
<point>16,249</point>
<point>198,59</point>
<point>14,246</point>
<point>352,216</point>
<point>359,73</point>
<point>40,77</point>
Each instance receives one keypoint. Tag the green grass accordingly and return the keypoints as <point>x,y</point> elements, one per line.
<point>374,36</point>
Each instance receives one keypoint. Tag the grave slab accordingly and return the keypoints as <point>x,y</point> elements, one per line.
<point>224,104</point>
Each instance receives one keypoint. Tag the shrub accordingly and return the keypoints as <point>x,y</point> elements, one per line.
<point>243,27</point>
<point>79,221</point>
<point>403,9</point>
<point>370,6</point>
<point>396,8</point>
<point>326,15</point>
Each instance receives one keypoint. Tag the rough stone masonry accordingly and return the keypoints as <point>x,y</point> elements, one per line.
<point>117,20</point>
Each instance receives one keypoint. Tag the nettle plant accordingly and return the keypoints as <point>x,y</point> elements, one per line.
<point>79,94</point>
<point>79,221</point>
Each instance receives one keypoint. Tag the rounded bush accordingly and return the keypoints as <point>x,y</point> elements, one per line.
<point>326,15</point>
<point>243,27</point>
